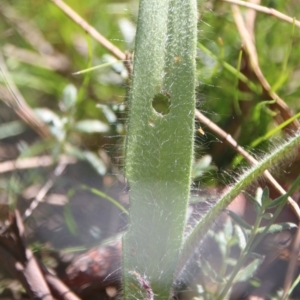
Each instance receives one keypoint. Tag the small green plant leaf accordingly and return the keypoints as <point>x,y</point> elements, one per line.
<point>233,241</point>
<point>257,204</point>
<point>56,124</point>
<point>95,161</point>
<point>276,202</point>
<point>240,221</point>
<point>277,227</point>
<point>228,228</point>
<point>266,193</point>
<point>69,219</point>
<point>258,108</point>
<point>37,148</point>
<point>69,98</point>
<point>201,166</point>
<point>241,237</point>
<point>265,197</point>
<point>109,114</point>
<point>255,282</point>
<point>267,216</point>
<point>91,126</point>
<point>48,116</point>
<point>247,272</point>
<point>12,128</point>
<point>210,272</point>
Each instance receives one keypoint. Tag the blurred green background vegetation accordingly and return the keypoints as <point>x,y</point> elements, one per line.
<point>86,113</point>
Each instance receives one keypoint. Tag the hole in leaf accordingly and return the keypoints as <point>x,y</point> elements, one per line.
<point>161,103</point>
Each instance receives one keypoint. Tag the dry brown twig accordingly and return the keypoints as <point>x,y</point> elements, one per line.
<point>95,34</point>
<point>13,241</point>
<point>49,62</point>
<point>33,162</point>
<point>90,29</point>
<point>253,58</point>
<point>19,104</point>
<point>18,258</point>
<point>250,18</point>
<point>44,190</point>
<point>267,10</point>
<point>246,30</point>
<point>232,143</point>
<point>247,35</point>
<point>58,288</point>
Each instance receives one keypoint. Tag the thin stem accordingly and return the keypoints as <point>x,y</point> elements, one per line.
<point>270,11</point>
<point>250,48</point>
<point>89,29</point>
<point>247,178</point>
<point>244,255</point>
<point>252,245</point>
<point>233,143</point>
<point>125,57</point>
